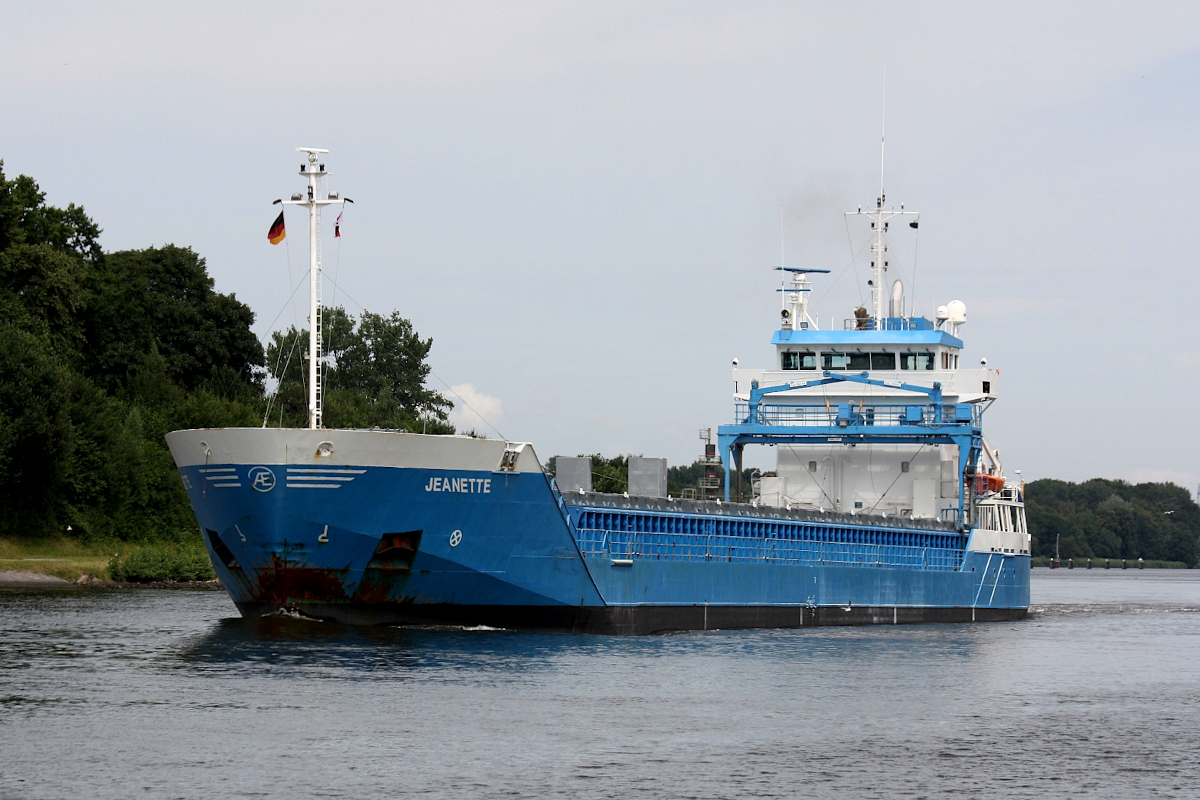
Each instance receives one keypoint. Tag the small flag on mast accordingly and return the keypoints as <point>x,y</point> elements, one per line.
<point>277,232</point>
<point>337,226</point>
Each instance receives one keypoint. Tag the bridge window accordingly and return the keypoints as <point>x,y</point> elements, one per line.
<point>793,359</point>
<point>949,361</point>
<point>917,361</point>
<point>857,362</point>
<point>883,360</point>
<point>834,360</point>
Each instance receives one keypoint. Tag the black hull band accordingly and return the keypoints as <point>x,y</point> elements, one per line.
<point>631,620</point>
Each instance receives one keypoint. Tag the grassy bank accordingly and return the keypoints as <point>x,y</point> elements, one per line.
<point>60,557</point>
<point>1113,563</point>
<point>115,561</point>
<point>160,562</point>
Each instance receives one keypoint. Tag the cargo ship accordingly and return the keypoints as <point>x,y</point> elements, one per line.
<point>886,504</point>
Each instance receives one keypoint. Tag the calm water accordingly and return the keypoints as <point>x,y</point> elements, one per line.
<point>165,694</point>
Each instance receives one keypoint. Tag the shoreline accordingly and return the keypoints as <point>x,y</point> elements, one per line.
<point>16,579</point>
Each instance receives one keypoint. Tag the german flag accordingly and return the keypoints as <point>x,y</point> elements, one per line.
<point>277,232</point>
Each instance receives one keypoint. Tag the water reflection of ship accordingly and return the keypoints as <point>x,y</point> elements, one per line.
<point>282,641</point>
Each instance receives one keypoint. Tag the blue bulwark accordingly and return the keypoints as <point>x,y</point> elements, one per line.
<point>924,337</point>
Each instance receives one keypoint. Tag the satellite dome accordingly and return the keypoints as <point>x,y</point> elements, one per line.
<point>956,312</point>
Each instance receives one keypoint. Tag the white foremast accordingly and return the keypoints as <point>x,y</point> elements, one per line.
<point>313,201</point>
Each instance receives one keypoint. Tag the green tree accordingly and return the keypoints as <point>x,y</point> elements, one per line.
<point>26,219</point>
<point>1113,519</point>
<point>159,315</point>
<point>374,375</point>
<point>45,291</point>
<point>610,475</point>
<point>37,438</point>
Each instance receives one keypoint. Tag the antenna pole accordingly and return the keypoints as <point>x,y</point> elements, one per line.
<point>782,262</point>
<point>878,247</point>
<point>882,139</point>
<point>879,225</point>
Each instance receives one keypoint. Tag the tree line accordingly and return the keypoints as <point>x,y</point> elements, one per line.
<point>103,353</point>
<point>1113,519</point>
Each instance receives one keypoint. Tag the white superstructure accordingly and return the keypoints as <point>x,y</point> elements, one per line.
<point>910,404</point>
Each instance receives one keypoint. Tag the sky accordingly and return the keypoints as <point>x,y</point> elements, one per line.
<point>580,203</point>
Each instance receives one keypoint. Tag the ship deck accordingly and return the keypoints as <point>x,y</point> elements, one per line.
<point>749,511</point>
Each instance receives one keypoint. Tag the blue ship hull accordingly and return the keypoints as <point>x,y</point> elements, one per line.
<point>358,542</point>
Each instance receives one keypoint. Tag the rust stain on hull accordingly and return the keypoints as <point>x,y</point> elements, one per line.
<point>283,584</point>
<point>287,585</point>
